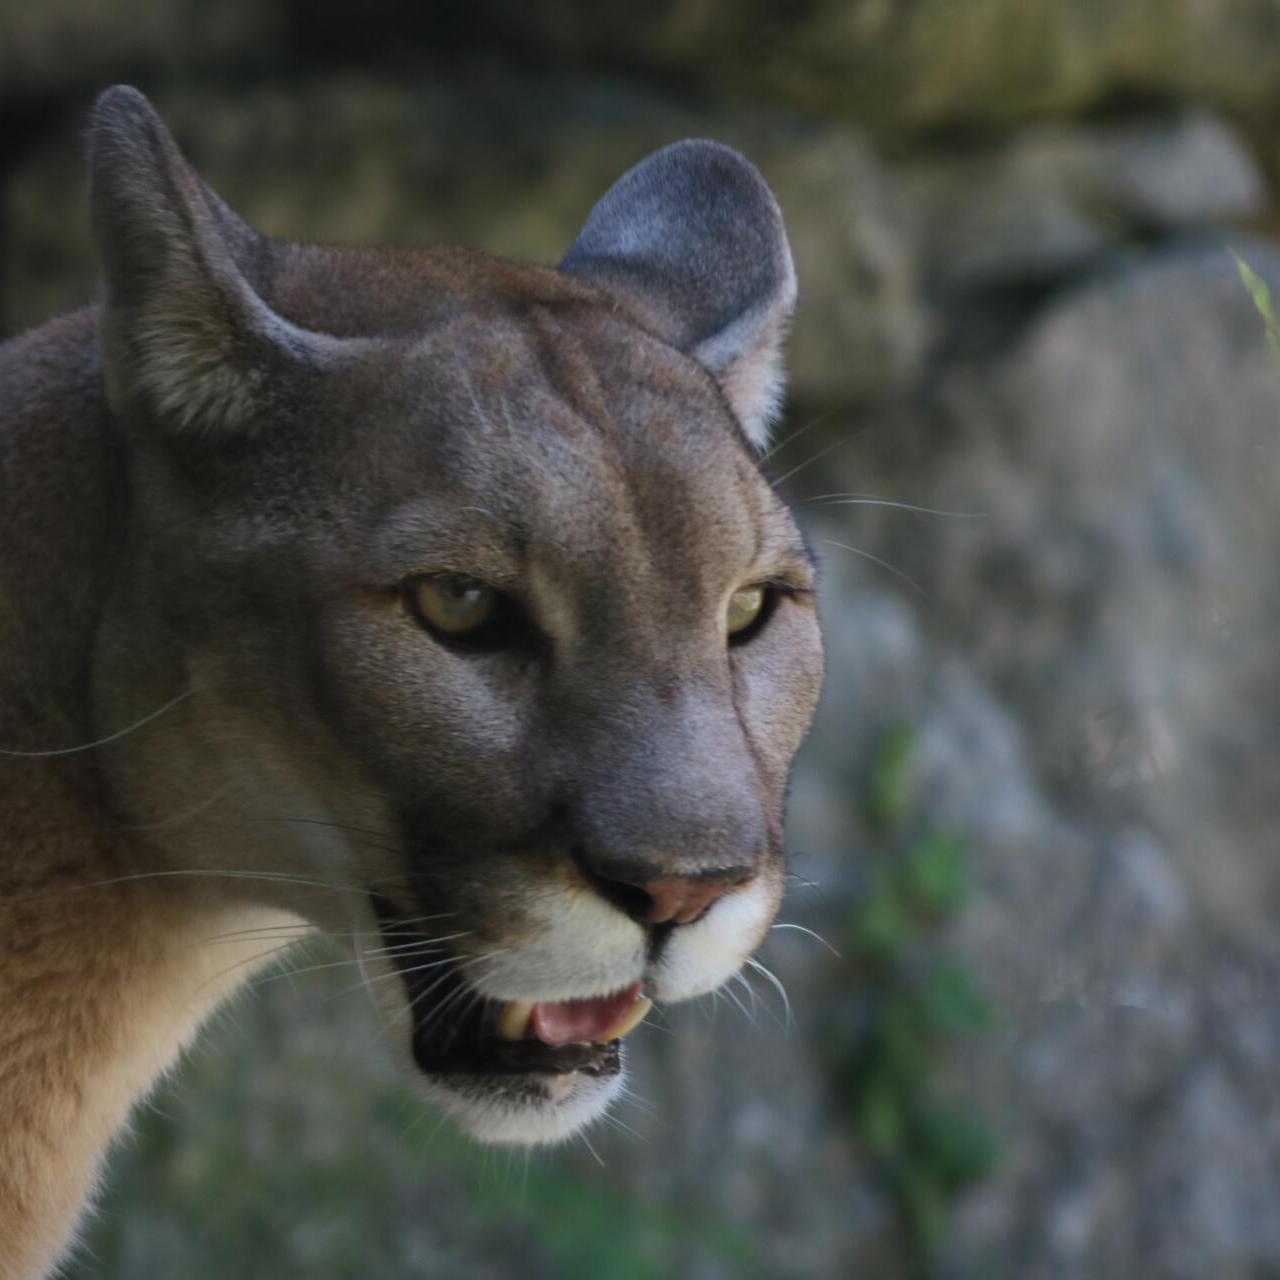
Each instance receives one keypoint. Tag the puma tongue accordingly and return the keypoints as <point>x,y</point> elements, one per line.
<point>593,1021</point>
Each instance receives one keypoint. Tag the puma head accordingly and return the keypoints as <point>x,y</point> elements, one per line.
<point>490,644</point>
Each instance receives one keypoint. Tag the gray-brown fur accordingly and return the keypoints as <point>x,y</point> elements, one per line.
<point>212,490</point>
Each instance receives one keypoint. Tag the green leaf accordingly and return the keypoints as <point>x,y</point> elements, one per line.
<point>880,927</point>
<point>934,874</point>
<point>1261,296</point>
<point>952,1001</point>
<point>889,788</point>
<point>880,1120</point>
<point>962,1150</point>
<point>925,1208</point>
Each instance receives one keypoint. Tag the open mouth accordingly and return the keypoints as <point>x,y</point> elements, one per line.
<point>458,1031</point>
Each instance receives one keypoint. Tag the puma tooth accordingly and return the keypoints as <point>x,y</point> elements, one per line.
<point>513,1021</point>
<point>629,1020</point>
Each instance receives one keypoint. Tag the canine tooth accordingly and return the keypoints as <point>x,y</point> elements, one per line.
<point>513,1021</point>
<point>629,1020</point>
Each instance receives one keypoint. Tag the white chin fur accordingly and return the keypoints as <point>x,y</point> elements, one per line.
<point>537,1111</point>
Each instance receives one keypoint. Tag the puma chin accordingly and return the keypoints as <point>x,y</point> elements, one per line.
<point>471,1038</point>
<point>427,600</point>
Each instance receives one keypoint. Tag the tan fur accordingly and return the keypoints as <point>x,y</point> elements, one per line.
<point>219,713</point>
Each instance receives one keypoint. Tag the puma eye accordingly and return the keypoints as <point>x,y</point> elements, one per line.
<point>745,608</point>
<point>452,604</point>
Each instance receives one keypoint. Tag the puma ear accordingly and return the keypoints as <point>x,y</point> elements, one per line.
<point>184,333</point>
<point>695,234</point>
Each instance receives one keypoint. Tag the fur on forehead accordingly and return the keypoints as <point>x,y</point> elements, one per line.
<point>690,239</point>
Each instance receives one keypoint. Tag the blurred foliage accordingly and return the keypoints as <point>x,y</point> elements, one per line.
<point>912,1002</point>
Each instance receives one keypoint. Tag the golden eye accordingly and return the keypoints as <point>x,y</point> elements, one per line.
<point>744,609</point>
<point>453,604</point>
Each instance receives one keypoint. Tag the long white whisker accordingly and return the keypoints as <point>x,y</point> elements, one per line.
<point>456,998</point>
<point>111,737</point>
<point>633,1099</point>
<point>271,877</point>
<point>421,946</point>
<point>587,1141</point>
<point>367,980</point>
<point>426,940</point>
<point>777,986</point>
<point>462,992</point>
<point>777,448</point>
<point>304,928</point>
<point>808,462</point>
<point>755,1000</point>
<point>622,1126</point>
<point>183,815</point>
<point>817,937</point>
<point>733,995</point>
<point>337,826</point>
<point>282,932</point>
<point>361,964</point>
<point>884,564</point>
<point>261,955</point>
<point>857,500</point>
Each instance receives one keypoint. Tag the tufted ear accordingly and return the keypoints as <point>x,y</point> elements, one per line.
<point>185,335</point>
<point>695,234</point>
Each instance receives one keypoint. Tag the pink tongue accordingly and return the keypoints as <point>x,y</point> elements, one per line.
<point>564,1021</point>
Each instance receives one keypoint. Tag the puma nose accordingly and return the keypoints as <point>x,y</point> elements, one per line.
<point>684,899</point>
<point>671,899</point>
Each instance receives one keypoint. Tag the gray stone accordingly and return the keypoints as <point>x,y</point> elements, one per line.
<point>70,46</point>
<point>1054,197</point>
<point>1092,665</point>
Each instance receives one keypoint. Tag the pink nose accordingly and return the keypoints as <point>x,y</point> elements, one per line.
<point>684,899</point>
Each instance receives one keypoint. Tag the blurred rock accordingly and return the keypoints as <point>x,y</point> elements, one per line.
<point>899,68</point>
<point>61,46</point>
<point>1056,196</point>
<point>1094,658</point>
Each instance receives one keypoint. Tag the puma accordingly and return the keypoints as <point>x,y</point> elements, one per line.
<point>431,602</point>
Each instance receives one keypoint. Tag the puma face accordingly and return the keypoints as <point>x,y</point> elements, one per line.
<point>492,645</point>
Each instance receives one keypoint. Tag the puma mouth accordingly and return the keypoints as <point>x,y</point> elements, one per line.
<point>458,1031</point>
<point>521,1037</point>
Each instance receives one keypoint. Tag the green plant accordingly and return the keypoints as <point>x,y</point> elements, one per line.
<point>912,1001</point>
<point>1261,297</point>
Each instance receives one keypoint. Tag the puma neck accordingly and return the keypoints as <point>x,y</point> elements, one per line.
<point>106,969</point>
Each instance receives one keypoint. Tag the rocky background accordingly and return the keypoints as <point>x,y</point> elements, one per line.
<point>1034,432</point>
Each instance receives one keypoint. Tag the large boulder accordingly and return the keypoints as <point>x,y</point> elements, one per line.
<point>1029,210</point>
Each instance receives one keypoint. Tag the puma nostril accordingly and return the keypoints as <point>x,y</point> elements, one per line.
<point>630,899</point>
<point>686,899</point>
<point>641,891</point>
